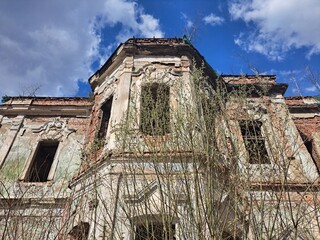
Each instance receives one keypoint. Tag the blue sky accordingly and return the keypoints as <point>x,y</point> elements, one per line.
<point>50,48</point>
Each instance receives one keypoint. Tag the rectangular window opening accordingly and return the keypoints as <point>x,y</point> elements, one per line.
<point>105,118</point>
<point>308,144</point>
<point>42,161</point>
<point>155,231</point>
<point>155,109</point>
<point>254,142</point>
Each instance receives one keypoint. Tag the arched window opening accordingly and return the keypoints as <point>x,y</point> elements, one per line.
<point>155,231</point>
<point>79,232</point>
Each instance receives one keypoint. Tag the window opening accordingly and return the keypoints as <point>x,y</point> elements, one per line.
<point>154,231</point>
<point>80,232</point>
<point>42,161</point>
<point>254,142</point>
<point>308,144</point>
<point>105,118</point>
<point>155,109</point>
<point>228,236</point>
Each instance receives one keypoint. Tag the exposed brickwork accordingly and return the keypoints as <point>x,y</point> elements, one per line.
<point>94,120</point>
<point>156,41</point>
<point>249,79</point>
<point>116,182</point>
<point>294,100</point>
<point>308,126</point>
<point>300,100</point>
<point>306,116</point>
<point>50,100</point>
<point>63,101</point>
<point>81,124</point>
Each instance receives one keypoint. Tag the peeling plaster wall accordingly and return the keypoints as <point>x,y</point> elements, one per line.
<point>96,191</point>
<point>3,132</point>
<point>25,144</point>
<point>310,128</point>
<point>100,182</point>
<point>124,85</point>
<point>36,208</point>
<point>289,159</point>
<point>101,186</point>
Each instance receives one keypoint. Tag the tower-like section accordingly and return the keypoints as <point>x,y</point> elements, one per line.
<point>138,144</point>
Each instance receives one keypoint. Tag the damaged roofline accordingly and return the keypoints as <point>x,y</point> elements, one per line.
<point>143,46</point>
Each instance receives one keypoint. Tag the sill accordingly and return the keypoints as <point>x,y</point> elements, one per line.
<point>33,189</point>
<point>156,140</point>
<point>25,183</point>
<point>266,164</point>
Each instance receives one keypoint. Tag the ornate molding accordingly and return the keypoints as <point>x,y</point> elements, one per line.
<point>152,72</point>
<point>143,194</point>
<point>55,130</point>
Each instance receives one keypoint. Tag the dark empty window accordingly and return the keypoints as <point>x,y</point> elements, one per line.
<point>228,236</point>
<point>155,109</point>
<point>105,118</point>
<point>42,161</point>
<point>308,144</point>
<point>254,142</point>
<point>80,232</point>
<point>155,231</point>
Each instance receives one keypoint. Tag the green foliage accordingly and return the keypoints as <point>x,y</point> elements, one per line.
<point>155,109</point>
<point>5,98</point>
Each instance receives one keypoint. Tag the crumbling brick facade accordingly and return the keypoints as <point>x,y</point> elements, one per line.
<point>228,158</point>
<point>31,207</point>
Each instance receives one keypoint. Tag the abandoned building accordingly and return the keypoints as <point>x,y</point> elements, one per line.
<point>165,149</point>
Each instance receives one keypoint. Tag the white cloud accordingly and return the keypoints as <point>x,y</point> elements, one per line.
<point>134,21</point>
<point>278,26</point>
<point>312,89</point>
<point>149,26</point>
<point>189,23</point>
<point>289,73</point>
<point>213,19</point>
<point>52,44</point>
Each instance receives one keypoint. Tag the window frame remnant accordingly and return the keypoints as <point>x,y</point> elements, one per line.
<point>254,141</point>
<point>105,116</point>
<point>42,163</point>
<point>154,230</point>
<point>155,109</point>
